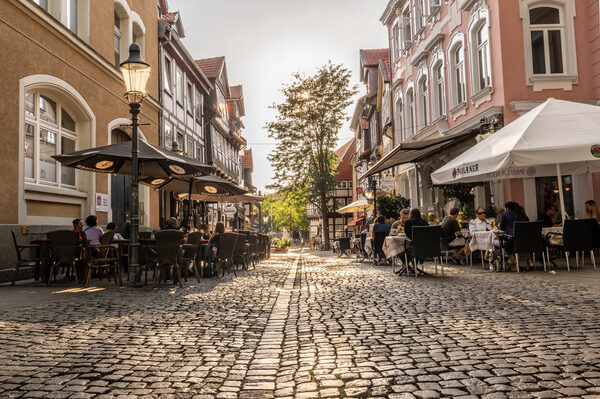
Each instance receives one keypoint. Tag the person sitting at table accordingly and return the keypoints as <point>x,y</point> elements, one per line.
<point>452,235</point>
<point>480,223</point>
<point>591,210</point>
<point>172,224</point>
<point>513,213</point>
<point>92,231</point>
<point>381,226</point>
<point>214,240</point>
<point>415,219</point>
<point>398,225</point>
<point>203,228</point>
<point>548,217</point>
<point>77,225</point>
<point>112,228</point>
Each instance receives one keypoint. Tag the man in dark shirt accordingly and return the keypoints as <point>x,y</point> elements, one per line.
<point>450,226</point>
<point>381,226</point>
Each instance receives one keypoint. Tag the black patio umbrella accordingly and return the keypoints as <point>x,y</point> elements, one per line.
<point>154,162</point>
<point>203,188</point>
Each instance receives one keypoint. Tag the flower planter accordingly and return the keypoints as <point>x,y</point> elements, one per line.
<point>279,250</point>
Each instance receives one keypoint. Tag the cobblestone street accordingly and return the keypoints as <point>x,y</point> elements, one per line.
<point>305,326</point>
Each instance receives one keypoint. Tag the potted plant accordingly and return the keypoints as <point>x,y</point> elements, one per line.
<point>281,245</point>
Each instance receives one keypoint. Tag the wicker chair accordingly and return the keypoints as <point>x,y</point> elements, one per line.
<point>63,245</point>
<point>253,250</point>
<point>25,261</point>
<point>224,258</point>
<point>168,249</point>
<point>100,257</point>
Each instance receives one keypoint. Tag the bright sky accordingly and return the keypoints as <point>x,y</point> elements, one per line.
<point>266,41</point>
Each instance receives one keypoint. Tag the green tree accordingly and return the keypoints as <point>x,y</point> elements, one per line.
<point>306,129</point>
<point>288,211</point>
<point>390,206</point>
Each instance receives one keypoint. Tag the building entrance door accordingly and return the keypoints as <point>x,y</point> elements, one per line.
<point>547,194</point>
<point>119,188</point>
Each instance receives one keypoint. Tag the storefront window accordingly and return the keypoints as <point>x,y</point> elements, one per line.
<point>547,194</point>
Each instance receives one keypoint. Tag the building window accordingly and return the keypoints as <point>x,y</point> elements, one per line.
<point>410,117</point>
<point>199,103</point>
<point>420,13</point>
<point>546,29</point>
<point>189,150</point>
<point>168,135</point>
<point>42,3</point>
<point>180,141</point>
<point>457,74</point>
<point>190,99</point>
<point>396,41</point>
<point>221,104</point>
<point>482,57</point>
<point>72,15</point>
<point>179,88</point>
<point>49,130</point>
<point>117,38</point>
<point>168,75</point>
<point>438,89</point>
<point>139,37</point>
<point>406,29</point>
<point>398,121</point>
<point>423,102</point>
<point>199,152</point>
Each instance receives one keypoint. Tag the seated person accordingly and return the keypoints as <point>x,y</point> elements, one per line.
<point>415,219</point>
<point>398,225</point>
<point>214,240</point>
<point>548,217</point>
<point>172,224</point>
<point>481,224</point>
<point>93,232</point>
<point>203,228</point>
<point>381,226</point>
<point>451,233</point>
<point>77,225</point>
<point>112,228</point>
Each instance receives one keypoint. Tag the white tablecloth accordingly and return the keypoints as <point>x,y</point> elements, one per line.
<point>547,230</point>
<point>483,241</point>
<point>394,245</point>
<point>369,246</point>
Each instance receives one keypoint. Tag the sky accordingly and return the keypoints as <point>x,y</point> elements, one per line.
<point>266,41</point>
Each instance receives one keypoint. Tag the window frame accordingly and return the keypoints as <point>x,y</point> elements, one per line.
<point>480,21</point>
<point>58,130</point>
<point>190,98</point>
<point>423,100</point>
<point>545,29</point>
<point>570,73</point>
<point>458,95</point>
<point>117,35</point>
<point>438,77</point>
<point>168,75</point>
<point>179,86</point>
<point>410,110</point>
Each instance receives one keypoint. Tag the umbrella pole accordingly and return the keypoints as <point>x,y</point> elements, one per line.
<point>189,206</point>
<point>561,194</point>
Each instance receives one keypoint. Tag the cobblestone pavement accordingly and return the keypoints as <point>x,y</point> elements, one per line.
<point>310,327</point>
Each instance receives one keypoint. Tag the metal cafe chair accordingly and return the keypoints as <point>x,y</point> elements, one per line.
<point>426,244</point>
<point>225,251</point>
<point>579,236</point>
<point>528,240</point>
<point>23,260</point>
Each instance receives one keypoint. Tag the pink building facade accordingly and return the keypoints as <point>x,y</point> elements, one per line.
<point>465,68</point>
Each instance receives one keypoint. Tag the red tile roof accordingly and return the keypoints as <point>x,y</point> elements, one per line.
<point>344,167</point>
<point>248,163</point>
<point>372,57</point>
<point>386,64</point>
<point>211,66</point>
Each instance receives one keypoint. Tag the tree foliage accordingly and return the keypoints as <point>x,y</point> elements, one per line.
<point>288,211</point>
<point>390,206</point>
<point>306,129</point>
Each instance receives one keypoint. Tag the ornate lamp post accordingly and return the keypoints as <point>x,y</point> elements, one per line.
<point>135,73</point>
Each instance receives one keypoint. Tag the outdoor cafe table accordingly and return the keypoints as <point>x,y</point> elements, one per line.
<point>394,245</point>
<point>45,258</point>
<point>546,230</point>
<point>369,246</point>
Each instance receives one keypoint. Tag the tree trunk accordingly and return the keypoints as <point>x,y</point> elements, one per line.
<point>325,217</point>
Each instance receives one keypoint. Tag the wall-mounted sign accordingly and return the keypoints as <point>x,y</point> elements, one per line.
<point>101,202</point>
<point>359,190</point>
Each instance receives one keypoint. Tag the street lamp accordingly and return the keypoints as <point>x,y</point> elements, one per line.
<point>135,72</point>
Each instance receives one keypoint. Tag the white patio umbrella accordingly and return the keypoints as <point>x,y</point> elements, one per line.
<point>554,138</point>
<point>360,205</point>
